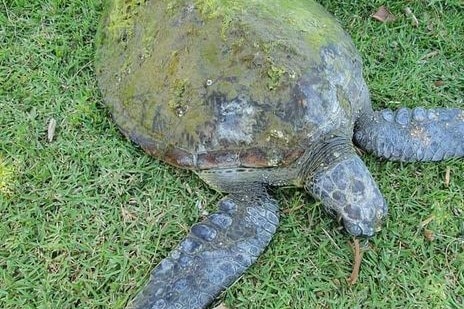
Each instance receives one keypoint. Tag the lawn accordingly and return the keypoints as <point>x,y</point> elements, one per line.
<point>86,216</point>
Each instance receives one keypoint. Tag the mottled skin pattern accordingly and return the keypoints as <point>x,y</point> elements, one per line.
<point>348,189</point>
<point>269,94</point>
<point>214,252</point>
<point>413,135</point>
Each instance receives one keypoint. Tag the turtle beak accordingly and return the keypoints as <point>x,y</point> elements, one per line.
<point>359,229</point>
<point>365,228</point>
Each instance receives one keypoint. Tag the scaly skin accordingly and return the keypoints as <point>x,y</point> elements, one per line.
<point>347,189</point>
<point>214,254</point>
<point>412,135</point>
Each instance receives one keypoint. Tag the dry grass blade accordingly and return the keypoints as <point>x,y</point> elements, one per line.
<point>357,263</point>
<point>447,176</point>
<point>426,222</point>
<point>411,15</point>
<point>430,55</point>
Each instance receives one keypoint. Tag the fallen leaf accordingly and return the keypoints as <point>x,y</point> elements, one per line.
<point>383,15</point>
<point>429,235</point>
<point>439,83</point>
<point>51,129</point>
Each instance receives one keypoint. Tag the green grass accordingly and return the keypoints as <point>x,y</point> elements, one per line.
<point>85,217</point>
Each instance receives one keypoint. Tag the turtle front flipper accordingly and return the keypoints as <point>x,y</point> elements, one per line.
<point>412,135</point>
<point>214,254</point>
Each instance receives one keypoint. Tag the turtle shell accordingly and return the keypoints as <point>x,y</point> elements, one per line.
<point>213,84</point>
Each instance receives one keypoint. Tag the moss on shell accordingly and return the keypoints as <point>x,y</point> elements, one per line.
<point>122,16</point>
<point>179,98</point>
<point>172,56</point>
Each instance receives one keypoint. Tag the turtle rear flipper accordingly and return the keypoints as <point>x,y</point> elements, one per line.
<point>215,253</point>
<point>413,135</point>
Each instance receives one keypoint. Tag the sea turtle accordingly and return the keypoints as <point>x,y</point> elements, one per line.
<point>250,94</point>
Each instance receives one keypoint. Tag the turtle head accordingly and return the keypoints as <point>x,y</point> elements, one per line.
<point>347,189</point>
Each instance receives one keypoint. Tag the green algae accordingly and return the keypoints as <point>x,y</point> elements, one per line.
<point>179,97</point>
<point>173,55</point>
<point>275,75</point>
<point>123,15</point>
<point>296,15</point>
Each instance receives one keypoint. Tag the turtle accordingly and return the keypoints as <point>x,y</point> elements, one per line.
<point>251,95</point>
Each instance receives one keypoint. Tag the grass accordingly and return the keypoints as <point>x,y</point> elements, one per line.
<point>85,217</point>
